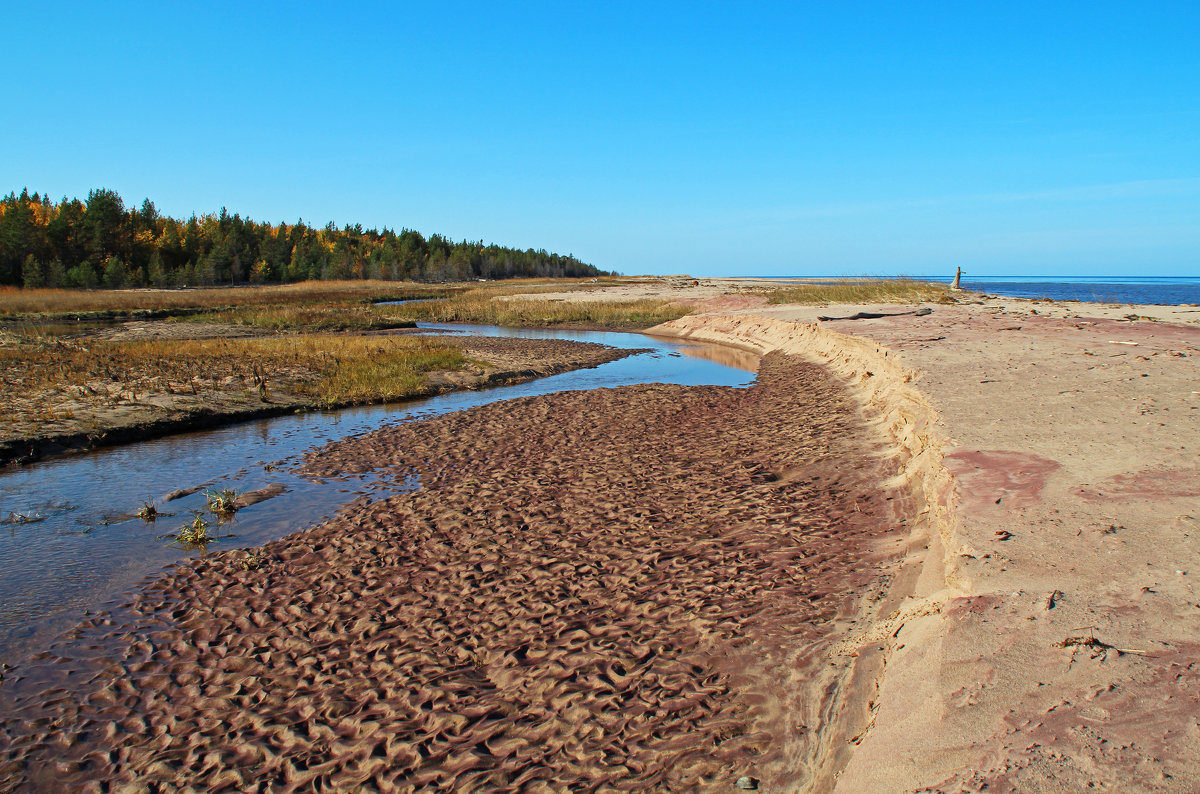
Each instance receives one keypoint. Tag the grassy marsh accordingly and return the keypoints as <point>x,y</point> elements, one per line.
<point>314,306</point>
<point>863,290</point>
<point>82,377</point>
<point>509,307</point>
<point>51,303</point>
<point>331,316</point>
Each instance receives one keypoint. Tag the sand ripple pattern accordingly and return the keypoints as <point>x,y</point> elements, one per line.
<point>593,591</point>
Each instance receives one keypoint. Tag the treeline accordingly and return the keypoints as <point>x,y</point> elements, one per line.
<point>99,242</point>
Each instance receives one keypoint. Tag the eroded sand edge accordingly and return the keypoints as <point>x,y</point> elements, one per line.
<point>905,420</point>
<point>1061,488</point>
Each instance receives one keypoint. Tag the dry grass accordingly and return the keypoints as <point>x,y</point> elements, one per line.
<point>863,290</point>
<point>392,369</point>
<point>49,303</point>
<point>482,306</point>
<point>50,380</point>
<point>339,316</point>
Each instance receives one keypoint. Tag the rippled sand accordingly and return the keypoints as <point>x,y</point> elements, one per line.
<point>622,589</point>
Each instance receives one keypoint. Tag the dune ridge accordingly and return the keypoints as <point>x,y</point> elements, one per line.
<point>928,577</point>
<point>1060,654</point>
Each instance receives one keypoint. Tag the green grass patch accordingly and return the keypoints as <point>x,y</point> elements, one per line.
<point>198,534</point>
<point>223,501</point>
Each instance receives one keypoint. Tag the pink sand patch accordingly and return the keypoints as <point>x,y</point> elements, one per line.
<point>1156,483</point>
<point>1014,479</point>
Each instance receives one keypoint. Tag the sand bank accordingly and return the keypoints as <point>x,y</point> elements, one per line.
<point>1050,642</point>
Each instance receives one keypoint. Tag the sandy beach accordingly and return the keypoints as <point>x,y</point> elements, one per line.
<point>938,552</point>
<point>1050,640</point>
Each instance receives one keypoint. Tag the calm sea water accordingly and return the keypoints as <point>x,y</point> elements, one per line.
<point>1130,289</point>
<point>1161,290</point>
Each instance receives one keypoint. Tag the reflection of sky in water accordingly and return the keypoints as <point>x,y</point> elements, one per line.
<point>86,548</point>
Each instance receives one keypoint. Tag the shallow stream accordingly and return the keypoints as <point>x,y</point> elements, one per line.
<point>69,542</point>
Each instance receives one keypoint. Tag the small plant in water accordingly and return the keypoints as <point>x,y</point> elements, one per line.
<point>28,517</point>
<point>196,533</point>
<point>148,512</point>
<point>222,502</point>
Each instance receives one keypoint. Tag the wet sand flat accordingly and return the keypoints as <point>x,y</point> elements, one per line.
<point>620,589</point>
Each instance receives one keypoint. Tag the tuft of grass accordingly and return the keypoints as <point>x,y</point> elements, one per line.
<point>148,512</point>
<point>863,290</point>
<point>382,369</point>
<point>198,533</point>
<point>222,502</point>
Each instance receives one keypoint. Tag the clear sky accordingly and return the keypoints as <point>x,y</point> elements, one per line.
<point>818,138</point>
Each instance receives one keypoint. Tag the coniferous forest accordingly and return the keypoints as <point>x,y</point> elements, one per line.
<point>101,243</point>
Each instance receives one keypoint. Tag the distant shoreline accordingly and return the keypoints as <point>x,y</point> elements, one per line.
<point>1133,290</point>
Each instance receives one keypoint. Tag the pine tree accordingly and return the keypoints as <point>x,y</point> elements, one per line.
<point>56,274</point>
<point>156,271</point>
<point>31,273</point>
<point>105,224</point>
<point>83,275</point>
<point>116,273</point>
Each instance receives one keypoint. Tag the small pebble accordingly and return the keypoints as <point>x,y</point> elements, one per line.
<point>747,783</point>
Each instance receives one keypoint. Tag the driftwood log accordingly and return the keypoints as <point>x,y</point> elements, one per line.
<point>924,310</point>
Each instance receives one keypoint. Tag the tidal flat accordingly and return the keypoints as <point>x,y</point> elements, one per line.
<point>621,588</point>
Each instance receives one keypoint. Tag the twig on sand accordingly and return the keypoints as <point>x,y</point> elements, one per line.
<point>1091,641</point>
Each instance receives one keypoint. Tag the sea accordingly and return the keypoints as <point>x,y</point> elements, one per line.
<point>1159,290</point>
<point>1105,289</point>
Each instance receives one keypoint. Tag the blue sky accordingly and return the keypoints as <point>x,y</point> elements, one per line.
<point>705,138</point>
